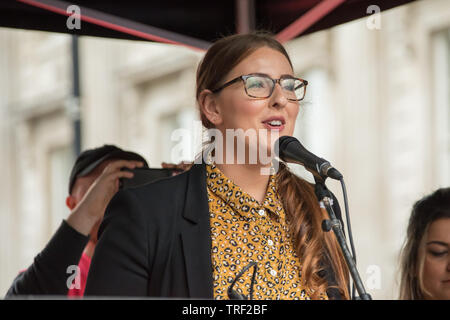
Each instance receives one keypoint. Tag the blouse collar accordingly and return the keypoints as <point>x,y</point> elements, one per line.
<point>239,200</point>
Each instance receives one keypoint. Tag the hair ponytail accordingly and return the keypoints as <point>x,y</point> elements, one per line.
<point>314,247</point>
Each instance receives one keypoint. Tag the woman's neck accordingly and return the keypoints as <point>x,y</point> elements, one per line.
<point>248,178</point>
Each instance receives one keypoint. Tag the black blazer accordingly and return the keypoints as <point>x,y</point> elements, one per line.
<point>155,241</point>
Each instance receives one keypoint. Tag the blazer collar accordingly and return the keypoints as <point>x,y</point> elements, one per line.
<point>196,203</point>
<point>196,235</point>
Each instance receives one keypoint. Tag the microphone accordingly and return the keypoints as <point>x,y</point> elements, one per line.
<point>289,149</point>
<point>233,294</point>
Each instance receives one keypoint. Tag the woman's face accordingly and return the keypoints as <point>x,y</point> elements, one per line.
<point>239,111</point>
<point>436,272</point>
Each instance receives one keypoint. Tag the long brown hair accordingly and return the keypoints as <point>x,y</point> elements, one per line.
<point>424,212</point>
<point>313,246</point>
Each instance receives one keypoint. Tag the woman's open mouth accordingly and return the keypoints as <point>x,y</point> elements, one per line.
<point>274,124</point>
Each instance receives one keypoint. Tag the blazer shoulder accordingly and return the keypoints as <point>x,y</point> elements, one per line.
<point>174,185</point>
<point>166,197</point>
<point>162,186</point>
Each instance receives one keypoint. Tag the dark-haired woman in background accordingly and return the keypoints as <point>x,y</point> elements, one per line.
<point>191,235</point>
<point>425,262</point>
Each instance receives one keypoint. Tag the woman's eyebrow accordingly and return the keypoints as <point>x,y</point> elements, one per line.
<point>265,74</point>
<point>259,74</point>
<point>439,243</point>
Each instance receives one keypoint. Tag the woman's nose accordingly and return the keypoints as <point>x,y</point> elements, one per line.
<point>278,98</point>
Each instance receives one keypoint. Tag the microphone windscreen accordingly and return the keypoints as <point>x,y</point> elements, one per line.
<point>291,150</point>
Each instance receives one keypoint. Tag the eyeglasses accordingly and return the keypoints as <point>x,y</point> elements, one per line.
<point>261,86</point>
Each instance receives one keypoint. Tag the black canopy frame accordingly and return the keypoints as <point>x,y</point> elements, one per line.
<point>194,24</point>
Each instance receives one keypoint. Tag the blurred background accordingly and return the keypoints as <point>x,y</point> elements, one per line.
<point>377,107</point>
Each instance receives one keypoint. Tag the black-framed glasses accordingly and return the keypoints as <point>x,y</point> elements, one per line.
<point>259,85</point>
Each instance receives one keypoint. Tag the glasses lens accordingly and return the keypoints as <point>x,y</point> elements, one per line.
<point>294,88</point>
<point>258,86</point>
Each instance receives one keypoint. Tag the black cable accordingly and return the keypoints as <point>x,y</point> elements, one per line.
<point>252,284</point>
<point>349,228</point>
<point>232,294</point>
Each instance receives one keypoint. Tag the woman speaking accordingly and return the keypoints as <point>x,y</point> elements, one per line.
<point>223,223</point>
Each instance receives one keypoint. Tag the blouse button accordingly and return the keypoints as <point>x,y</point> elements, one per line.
<point>261,212</point>
<point>270,242</point>
<point>273,273</point>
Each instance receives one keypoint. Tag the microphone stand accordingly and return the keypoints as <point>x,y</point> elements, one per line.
<point>325,199</point>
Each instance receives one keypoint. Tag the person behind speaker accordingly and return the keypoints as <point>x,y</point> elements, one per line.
<point>93,181</point>
<point>425,256</point>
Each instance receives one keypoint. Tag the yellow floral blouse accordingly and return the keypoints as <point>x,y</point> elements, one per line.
<point>244,231</point>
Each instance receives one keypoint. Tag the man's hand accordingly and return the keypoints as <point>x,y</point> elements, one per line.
<point>90,210</point>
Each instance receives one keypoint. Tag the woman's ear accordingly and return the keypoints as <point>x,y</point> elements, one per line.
<point>209,107</point>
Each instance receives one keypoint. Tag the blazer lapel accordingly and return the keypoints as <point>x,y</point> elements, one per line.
<point>196,235</point>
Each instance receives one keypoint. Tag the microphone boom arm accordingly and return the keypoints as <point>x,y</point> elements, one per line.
<point>325,200</point>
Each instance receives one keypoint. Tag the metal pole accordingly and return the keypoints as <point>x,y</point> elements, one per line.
<point>334,224</point>
<point>75,101</point>
<point>245,16</point>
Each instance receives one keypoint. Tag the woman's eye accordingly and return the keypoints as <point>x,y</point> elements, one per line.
<point>437,253</point>
<point>256,84</point>
<point>289,85</point>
